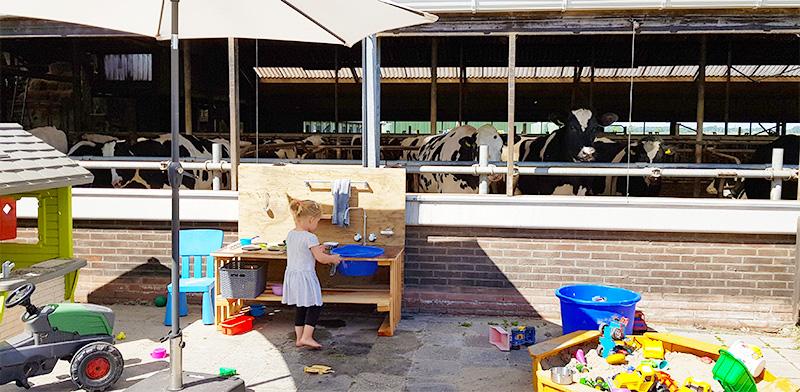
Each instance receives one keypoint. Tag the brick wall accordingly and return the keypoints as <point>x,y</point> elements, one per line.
<point>722,280</point>
<point>48,292</point>
<point>705,279</point>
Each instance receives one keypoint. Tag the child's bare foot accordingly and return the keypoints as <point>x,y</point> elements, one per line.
<point>298,344</point>
<point>310,343</point>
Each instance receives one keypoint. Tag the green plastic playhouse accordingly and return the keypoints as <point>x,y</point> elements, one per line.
<point>30,168</point>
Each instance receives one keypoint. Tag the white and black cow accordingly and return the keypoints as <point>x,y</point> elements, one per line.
<point>105,178</point>
<point>459,144</point>
<point>759,188</point>
<point>650,149</point>
<point>573,142</point>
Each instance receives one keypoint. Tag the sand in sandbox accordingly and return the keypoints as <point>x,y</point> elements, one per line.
<point>681,365</point>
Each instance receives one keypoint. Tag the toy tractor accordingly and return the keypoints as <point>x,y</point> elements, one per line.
<point>79,333</point>
<point>609,334</point>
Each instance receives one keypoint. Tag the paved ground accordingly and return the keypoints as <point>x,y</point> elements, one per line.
<point>428,353</point>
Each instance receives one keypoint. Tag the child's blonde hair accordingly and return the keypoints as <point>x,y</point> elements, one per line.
<point>305,208</point>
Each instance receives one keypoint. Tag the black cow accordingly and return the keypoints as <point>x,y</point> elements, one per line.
<point>573,142</point>
<point>105,178</point>
<point>759,188</point>
<point>650,149</point>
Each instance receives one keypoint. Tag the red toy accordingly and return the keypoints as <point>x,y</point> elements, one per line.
<point>639,325</point>
<point>237,325</point>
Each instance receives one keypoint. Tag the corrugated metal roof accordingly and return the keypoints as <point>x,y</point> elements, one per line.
<point>500,73</point>
<point>29,164</point>
<point>579,5</point>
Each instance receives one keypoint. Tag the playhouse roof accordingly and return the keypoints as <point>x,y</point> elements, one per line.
<point>29,164</point>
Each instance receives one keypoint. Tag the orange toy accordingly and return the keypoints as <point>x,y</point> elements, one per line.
<point>665,379</point>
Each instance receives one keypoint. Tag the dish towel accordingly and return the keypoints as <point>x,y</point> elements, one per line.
<point>340,189</point>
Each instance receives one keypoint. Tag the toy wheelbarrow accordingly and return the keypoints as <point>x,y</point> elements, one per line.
<point>319,369</point>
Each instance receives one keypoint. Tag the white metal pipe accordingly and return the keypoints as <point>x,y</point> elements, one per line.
<point>599,172</point>
<point>483,161</point>
<point>216,154</point>
<point>777,183</point>
<point>210,166</point>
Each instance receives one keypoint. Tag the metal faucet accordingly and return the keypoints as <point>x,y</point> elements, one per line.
<point>6,272</point>
<point>364,236</point>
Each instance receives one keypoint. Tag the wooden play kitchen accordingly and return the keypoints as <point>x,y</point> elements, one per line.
<point>542,380</point>
<point>265,193</point>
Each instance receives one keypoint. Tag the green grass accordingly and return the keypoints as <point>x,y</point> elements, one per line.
<point>492,323</point>
<point>465,324</point>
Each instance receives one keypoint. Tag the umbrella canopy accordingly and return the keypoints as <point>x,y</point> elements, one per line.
<point>343,22</point>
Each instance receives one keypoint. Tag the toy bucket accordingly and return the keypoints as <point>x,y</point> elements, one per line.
<point>585,306</point>
<point>732,374</point>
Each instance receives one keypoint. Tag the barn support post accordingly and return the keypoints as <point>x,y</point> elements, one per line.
<point>77,89</point>
<point>233,93</point>
<point>701,106</point>
<point>512,61</point>
<point>462,78</point>
<point>728,90</point>
<point>434,77</point>
<point>187,87</point>
<point>591,81</point>
<point>576,81</point>
<point>336,93</point>
<point>777,184</point>
<point>370,102</point>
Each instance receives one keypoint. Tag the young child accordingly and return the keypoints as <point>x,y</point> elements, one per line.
<point>300,282</point>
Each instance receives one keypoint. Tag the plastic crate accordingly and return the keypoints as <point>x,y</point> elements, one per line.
<point>241,279</point>
<point>237,325</point>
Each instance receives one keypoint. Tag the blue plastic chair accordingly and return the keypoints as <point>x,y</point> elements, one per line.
<point>194,244</point>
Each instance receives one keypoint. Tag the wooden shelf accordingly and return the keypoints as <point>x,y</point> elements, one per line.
<point>376,296</point>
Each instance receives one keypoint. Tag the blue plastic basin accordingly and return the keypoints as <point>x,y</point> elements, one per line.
<point>358,267</point>
<point>579,310</point>
<point>257,310</point>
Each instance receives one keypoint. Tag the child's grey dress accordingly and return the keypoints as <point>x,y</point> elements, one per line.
<point>300,282</point>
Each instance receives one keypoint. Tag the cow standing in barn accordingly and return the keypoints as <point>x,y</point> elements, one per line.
<point>105,178</point>
<point>650,149</point>
<point>572,142</point>
<point>759,188</point>
<point>459,144</point>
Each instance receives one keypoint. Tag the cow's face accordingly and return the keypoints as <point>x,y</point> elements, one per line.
<point>651,150</point>
<point>117,148</point>
<point>581,126</point>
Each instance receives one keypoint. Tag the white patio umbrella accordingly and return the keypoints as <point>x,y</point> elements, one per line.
<point>343,22</point>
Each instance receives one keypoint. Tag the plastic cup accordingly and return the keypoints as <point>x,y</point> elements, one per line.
<point>246,241</point>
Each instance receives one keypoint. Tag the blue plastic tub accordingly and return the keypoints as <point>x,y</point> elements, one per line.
<point>358,267</point>
<point>580,311</point>
<point>257,310</point>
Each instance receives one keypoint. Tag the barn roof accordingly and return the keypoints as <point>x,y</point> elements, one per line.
<point>29,164</point>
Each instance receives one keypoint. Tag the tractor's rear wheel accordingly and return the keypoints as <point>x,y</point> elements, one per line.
<point>96,366</point>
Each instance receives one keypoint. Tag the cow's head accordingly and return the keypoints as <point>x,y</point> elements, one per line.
<point>581,127</point>
<point>117,148</point>
<point>487,135</point>
<point>651,149</point>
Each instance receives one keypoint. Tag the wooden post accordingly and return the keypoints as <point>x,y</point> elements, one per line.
<point>728,90</point>
<point>462,78</point>
<point>576,81</point>
<point>434,66</point>
<point>233,94</point>
<point>701,106</point>
<point>591,80</point>
<point>336,93</point>
<point>187,86</point>
<point>512,61</point>
<point>77,90</point>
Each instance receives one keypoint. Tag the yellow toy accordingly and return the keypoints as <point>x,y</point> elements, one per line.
<point>616,359</point>
<point>318,369</point>
<point>691,386</point>
<point>653,349</point>
<point>640,380</point>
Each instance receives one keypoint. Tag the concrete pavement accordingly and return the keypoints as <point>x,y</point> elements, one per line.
<point>427,353</point>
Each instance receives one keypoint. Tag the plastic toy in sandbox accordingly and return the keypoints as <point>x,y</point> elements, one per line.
<point>78,333</point>
<point>611,336</point>
<point>518,336</point>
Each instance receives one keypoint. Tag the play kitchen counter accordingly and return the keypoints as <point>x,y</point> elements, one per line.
<point>388,298</point>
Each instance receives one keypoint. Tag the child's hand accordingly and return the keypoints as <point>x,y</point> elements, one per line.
<point>339,260</point>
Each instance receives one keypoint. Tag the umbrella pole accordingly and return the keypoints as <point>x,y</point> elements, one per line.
<point>175,338</point>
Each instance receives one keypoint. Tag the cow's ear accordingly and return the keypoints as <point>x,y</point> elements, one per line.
<point>556,118</point>
<point>607,119</point>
